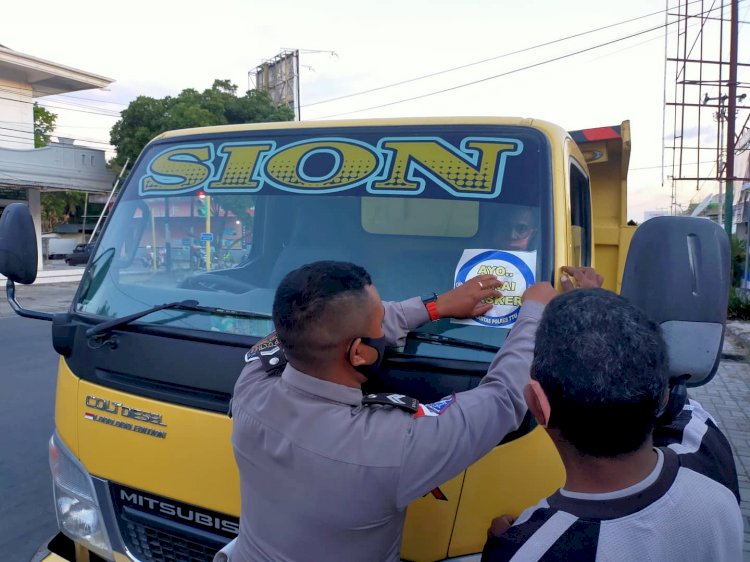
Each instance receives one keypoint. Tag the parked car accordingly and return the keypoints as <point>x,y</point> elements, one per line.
<point>59,248</point>
<point>81,254</point>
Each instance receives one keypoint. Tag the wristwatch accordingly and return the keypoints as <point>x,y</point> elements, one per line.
<point>430,303</point>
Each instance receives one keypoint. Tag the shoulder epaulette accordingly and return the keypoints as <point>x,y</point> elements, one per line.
<point>401,401</point>
<point>269,352</point>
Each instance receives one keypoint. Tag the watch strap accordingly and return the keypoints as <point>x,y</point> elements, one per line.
<point>430,303</point>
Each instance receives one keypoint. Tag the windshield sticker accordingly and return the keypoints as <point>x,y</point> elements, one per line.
<point>393,166</point>
<point>515,270</point>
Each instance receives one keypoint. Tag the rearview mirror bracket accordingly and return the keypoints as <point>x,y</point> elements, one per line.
<point>10,292</point>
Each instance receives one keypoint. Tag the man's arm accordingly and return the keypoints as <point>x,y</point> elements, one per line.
<point>462,302</point>
<point>401,318</point>
<point>438,447</point>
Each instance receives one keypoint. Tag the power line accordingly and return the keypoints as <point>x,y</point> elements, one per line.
<point>11,139</point>
<point>18,130</point>
<point>90,99</point>
<point>697,37</point>
<point>102,111</point>
<point>15,91</point>
<point>467,65</point>
<point>29,142</point>
<point>52,133</point>
<point>474,82</point>
<point>48,92</point>
<point>29,130</point>
<point>88,109</point>
<point>513,71</point>
<point>657,167</point>
<point>681,60</point>
<point>66,126</point>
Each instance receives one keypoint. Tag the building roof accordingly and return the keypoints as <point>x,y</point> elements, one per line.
<point>47,78</point>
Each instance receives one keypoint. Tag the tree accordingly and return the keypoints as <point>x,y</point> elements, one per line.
<point>145,117</point>
<point>737,251</point>
<point>44,124</point>
<point>61,206</point>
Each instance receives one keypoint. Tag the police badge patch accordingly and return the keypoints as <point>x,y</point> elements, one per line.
<point>267,343</point>
<point>436,408</point>
<point>269,352</point>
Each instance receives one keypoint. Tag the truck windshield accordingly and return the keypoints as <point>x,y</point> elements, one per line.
<point>220,219</point>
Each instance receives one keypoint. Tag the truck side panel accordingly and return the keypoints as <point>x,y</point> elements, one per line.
<point>607,154</point>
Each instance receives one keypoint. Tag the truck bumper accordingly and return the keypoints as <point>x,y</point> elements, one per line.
<point>57,548</point>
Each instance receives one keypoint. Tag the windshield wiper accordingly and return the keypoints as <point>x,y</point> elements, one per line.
<point>189,305</point>
<point>454,342</point>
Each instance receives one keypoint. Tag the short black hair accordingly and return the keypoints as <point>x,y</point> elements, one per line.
<point>318,306</point>
<point>603,365</point>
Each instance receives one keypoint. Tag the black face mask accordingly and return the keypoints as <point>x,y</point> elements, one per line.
<point>378,344</point>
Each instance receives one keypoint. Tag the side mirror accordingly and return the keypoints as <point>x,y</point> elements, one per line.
<point>677,271</point>
<point>18,252</point>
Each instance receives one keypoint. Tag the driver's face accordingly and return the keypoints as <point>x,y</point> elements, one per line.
<point>519,230</point>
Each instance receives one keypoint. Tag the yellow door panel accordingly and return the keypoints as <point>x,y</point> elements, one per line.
<point>429,522</point>
<point>511,478</point>
<point>52,557</point>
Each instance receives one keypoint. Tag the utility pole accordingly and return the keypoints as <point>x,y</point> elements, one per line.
<point>731,110</point>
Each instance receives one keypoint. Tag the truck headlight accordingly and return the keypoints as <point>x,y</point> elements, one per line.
<point>78,513</point>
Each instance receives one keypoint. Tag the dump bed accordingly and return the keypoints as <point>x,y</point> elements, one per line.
<point>607,154</point>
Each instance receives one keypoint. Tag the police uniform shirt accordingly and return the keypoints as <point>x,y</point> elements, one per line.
<point>686,509</point>
<point>324,478</point>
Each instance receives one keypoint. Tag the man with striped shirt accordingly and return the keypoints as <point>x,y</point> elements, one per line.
<point>635,489</point>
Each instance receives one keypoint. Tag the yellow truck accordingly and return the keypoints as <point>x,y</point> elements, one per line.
<point>182,279</point>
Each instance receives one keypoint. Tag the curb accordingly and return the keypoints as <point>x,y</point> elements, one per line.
<point>735,329</point>
<point>56,276</point>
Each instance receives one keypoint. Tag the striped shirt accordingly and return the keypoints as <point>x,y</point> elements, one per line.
<point>700,444</point>
<point>686,509</point>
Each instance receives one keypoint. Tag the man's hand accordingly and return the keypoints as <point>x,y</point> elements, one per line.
<point>500,525</point>
<point>541,292</point>
<point>466,301</point>
<point>580,277</point>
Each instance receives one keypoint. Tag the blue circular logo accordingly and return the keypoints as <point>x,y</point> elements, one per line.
<point>507,267</point>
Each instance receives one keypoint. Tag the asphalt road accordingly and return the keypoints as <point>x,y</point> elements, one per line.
<point>28,367</point>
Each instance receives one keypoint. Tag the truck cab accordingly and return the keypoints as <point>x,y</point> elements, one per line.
<point>150,349</point>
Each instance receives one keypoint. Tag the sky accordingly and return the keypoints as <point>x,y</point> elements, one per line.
<point>160,47</point>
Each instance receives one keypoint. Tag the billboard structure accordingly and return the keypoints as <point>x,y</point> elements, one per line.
<point>703,85</point>
<point>279,76</point>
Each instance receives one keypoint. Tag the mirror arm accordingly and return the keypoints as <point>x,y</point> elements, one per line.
<point>10,291</point>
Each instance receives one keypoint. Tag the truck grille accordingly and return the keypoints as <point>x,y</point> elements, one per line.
<point>158,529</point>
<point>149,544</point>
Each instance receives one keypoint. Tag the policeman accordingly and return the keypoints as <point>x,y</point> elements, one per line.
<point>324,476</point>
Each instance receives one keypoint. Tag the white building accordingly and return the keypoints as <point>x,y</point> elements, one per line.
<point>25,171</point>
<point>655,213</point>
